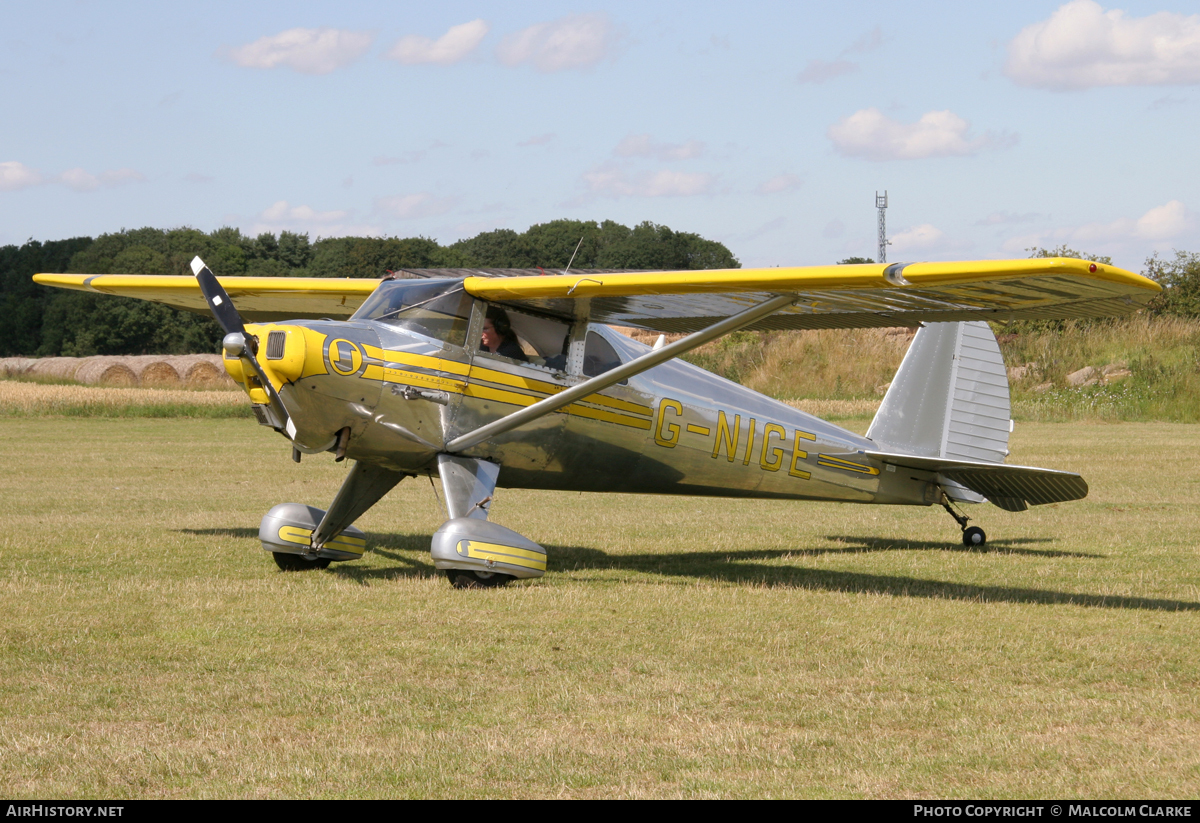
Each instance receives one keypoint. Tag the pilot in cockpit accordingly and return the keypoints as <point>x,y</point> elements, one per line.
<point>498,336</point>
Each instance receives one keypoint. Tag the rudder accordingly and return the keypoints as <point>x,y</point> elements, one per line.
<point>949,398</point>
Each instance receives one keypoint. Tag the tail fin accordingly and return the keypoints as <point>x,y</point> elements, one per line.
<point>949,398</point>
<point>947,411</point>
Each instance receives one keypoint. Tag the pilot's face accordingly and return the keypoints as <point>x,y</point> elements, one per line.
<point>491,339</point>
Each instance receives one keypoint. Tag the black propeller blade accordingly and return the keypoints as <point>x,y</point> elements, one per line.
<point>218,300</point>
<point>237,343</point>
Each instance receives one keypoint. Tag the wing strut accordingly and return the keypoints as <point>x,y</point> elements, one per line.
<point>608,378</point>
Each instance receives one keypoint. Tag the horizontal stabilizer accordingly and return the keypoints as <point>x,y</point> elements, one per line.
<point>1012,488</point>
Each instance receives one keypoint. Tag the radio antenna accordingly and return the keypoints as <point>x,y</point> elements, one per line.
<point>572,260</point>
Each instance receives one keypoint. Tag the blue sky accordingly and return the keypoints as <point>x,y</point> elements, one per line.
<point>770,127</point>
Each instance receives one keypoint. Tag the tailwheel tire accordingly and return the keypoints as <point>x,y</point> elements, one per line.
<point>298,563</point>
<point>974,537</point>
<point>469,579</point>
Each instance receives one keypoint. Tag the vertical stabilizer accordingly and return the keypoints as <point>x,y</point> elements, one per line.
<point>949,398</point>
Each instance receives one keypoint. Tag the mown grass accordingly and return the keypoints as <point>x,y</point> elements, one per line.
<point>678,647</point>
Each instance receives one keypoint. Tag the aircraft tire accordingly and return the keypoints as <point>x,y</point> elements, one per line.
<point>974,537</point>
<point>468,579</point>
<point>296,563</point>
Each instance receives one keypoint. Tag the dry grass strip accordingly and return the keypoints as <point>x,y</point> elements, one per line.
<point>18,397</point>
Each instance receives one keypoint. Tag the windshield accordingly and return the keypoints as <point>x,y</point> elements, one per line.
<point>436,308</point>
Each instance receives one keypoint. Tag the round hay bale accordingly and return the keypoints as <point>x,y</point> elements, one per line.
<point>160,375</point>
<point>154,371</point>
<point>202,371</point>
<point>15,366</point>
<point>106,371</point>
<point>57,368</point>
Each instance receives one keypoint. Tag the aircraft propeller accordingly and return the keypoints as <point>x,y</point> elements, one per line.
<point>237,343</point>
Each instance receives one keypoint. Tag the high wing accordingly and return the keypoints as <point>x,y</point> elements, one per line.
<point>835,297</point>
<point>258,299</point>
<point>841,297</point>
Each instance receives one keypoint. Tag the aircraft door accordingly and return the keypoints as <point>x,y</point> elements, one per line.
<point>518,359</point>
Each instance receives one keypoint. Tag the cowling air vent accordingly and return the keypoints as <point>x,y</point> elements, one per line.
<point>275,343</point>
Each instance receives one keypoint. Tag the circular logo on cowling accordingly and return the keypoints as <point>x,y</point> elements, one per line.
<point>344,357</point>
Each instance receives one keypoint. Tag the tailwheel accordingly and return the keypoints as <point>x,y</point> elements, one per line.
<point>298,563</point>
<point>470,579</point>
<point>974,536</point>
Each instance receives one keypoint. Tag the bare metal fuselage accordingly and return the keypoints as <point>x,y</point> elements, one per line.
<point>674,429</point>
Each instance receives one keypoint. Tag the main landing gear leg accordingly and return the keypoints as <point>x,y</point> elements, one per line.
<point>972,536</point>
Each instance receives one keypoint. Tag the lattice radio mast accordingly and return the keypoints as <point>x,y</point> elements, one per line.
<point>881,204</point>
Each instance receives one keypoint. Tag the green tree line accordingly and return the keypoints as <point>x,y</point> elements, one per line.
<point>44,322</point>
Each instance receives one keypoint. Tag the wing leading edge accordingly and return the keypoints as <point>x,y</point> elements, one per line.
<point>855,296</point>
<point>258,299</point>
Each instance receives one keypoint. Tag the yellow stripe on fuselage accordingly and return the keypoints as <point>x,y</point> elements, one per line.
<point>845,465</point>
<point>476,386</point>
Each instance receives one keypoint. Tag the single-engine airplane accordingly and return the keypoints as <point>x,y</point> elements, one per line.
<point>393,375</point>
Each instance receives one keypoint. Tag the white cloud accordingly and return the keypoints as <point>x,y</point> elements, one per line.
<point>919,238</point>
<point>867,43</point>
<point>780,183</point>
<point>412,206</point>
<point>451,47</point>
<point>614,181</point>
<point>574,42</point>
<point>1167,102</point>
<point>307,220</point>
<point>81,180</point>
<point>408,157</point>
<point>1170,221</point>
<point>1002,218</point>
<point>641,145</point>
<point>1081,46</point>
<point>309,51</point>
<point>1164,222</point>
<point>871,134</point>
<point>538,140</point>
<point>819,71</point>
<point>14,176</point>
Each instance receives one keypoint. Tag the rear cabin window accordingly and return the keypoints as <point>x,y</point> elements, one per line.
<point>436,308</point>
<point>598,355</point>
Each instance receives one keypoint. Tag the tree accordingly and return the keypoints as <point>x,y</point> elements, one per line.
<point>1180,279</point>
<point>1064,251</point>
<point>850,261</point>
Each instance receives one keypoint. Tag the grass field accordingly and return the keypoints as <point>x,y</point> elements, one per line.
<point>676,648</point>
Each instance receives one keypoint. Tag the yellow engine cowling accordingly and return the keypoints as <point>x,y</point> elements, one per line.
<point>285,353</point>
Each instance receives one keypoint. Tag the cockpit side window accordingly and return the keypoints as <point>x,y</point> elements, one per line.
<point>542,341</point>
<point>436,308</point>
<point>598,355</point>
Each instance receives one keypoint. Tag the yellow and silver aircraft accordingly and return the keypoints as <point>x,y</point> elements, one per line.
<point>393,375</point>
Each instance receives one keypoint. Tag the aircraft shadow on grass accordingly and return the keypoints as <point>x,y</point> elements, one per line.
<point>737,567</point>
<point>411,551</point>
<point>234,531</point>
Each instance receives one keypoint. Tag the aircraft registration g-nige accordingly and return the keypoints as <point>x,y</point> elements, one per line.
<point>393,375</point>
